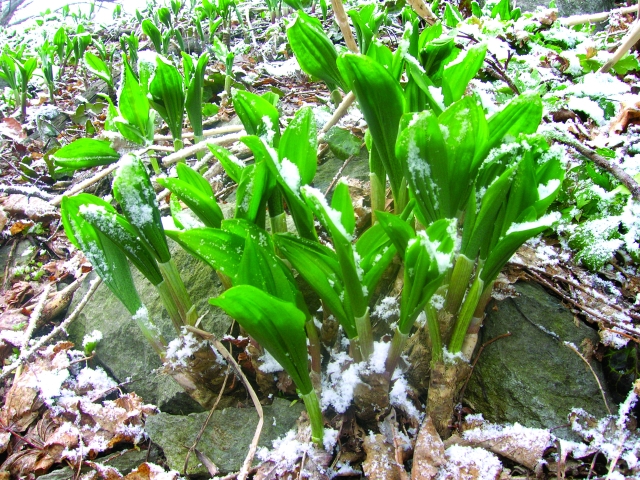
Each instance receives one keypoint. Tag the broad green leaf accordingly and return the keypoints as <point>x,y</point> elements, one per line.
<point>253,191</point>
<point>341,202</point>
<point>467,131</point>
<point>85,153</point>
<point>399,231</point>
<point>231,164</point>
<point>299,144</point>
<point>319,267</point>
<point>219,249</point>
<point>196,193</point>
<point>382,103</point>
<point>275,324</point>
<point>167,92</point>
<point>522,115</point>
<point>133,104</point>
<point>422,151</point>
<point>98,67</point>
<point>105,218</point>
<point>457,75</point>
<point>133,191</point>
<point>314,51</point>
<point>258,116</point>
<point>342,142</point>
<point>193,100</point>
<point>106,258</point>
<point>452,16</point>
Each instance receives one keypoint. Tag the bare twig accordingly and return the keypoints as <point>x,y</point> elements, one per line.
<point>622,176</point>
<point>26,355</point>
<point>343,23</point>
<point>27,191</point>
<point>571,346</point>
<point>630,39</point>
<point>82,185</point>
<point>596,17</point>
<point>339,174</point>
<point>207,133</point>
<point>33,321</point>
<point>217,344</point>
<point>423,10</point>
<point>348,99</point>
<point>475,360</point>
<point>205,423</point>
<point>200,147</point>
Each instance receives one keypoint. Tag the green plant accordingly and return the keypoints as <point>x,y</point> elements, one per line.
<point>99,68</point>
<point>46,51</point>
<point>168,96</point>
<point>17,72</point>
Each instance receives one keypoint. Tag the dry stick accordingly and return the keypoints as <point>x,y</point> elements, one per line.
<point>473,365</point>
<point>343,23</point>
<point>244,471</point>
<point>595,17</point>
<point>207,133</point>
<point>24,356</point>
<point>82,185</point>
<point>33,321</point>
<point>26,191</point>
<point>632,37</point>
<point>7,268</point>
<point>589,291</point>
<point>206,422</point>
<point>339,173</point>
<point>200,147</point>
<point>576,304</point>
<point>624,178</point>
<point>571,346</point>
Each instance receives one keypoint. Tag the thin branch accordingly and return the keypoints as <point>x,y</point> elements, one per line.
<point>200,147</point>
<point>33,321</point>
<point>596,17</point>
<point>205,134</point>
<point>571,346</point>
<point>27,191</point>
<point>24,356</point>
<point>217,344</point>
<point>622,176</point>
<point>339,174</point>
<point>82,185</point>
<point>630,39</point>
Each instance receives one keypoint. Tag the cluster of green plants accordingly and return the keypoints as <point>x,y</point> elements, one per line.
<point>467,189</point>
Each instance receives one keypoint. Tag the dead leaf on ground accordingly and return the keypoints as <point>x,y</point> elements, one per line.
<point>3,219</point>
<point>468,463</point>
<point>20,226</point>
<point>380,463</point>
<point>523,445</point>
<point>33,208</point>
<point>428,455</point>
<point>150,471</point>
<point>629,115</point>
<point>11,128</point>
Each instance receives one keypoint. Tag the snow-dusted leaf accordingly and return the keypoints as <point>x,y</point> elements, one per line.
<point>381,463</point>
<point>428,454</point>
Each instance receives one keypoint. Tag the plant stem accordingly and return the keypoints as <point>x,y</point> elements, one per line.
<point>395,350</point>
<point>150,331</point>
<point>458,283</point>
<point>433,326</point>
<point>365,337</point>
<point>377,195</point>
<point>314,345</point>
<point>276,212</point>
<point>178,292</point>
<point>169,305</point>
<point>315,416</point>
<point>177,144</point>
<point>466,313</point>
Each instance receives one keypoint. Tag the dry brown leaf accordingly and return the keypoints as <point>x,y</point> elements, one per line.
<point>33,208</point>
<point>11,128</point>
<point>523,445</point>
<point>547,16</point>
<point>467,463</point>
<point>428,455</point>
<point>3,219</point>
<point>19,227</point>
<point>380,463</point>
<point>629,115</point>
<point>149,471</point>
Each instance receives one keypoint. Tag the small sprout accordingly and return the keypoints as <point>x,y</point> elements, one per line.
<point>90,342</point>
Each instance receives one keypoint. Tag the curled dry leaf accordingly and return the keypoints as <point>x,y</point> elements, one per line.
<point>468,463</point>
<point>523,445</point>
<point>428,455</point>
<point>11,128</point>
<point>33,208</point>
<point>381,463</point>
<point>629,115</point>
<point>150,471</point>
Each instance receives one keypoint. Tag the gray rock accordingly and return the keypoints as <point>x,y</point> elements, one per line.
<point>123,350</point>
<point>567,7</point>
<point>357,168</point>
<point>531,377</point>
<point>227,437</point>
